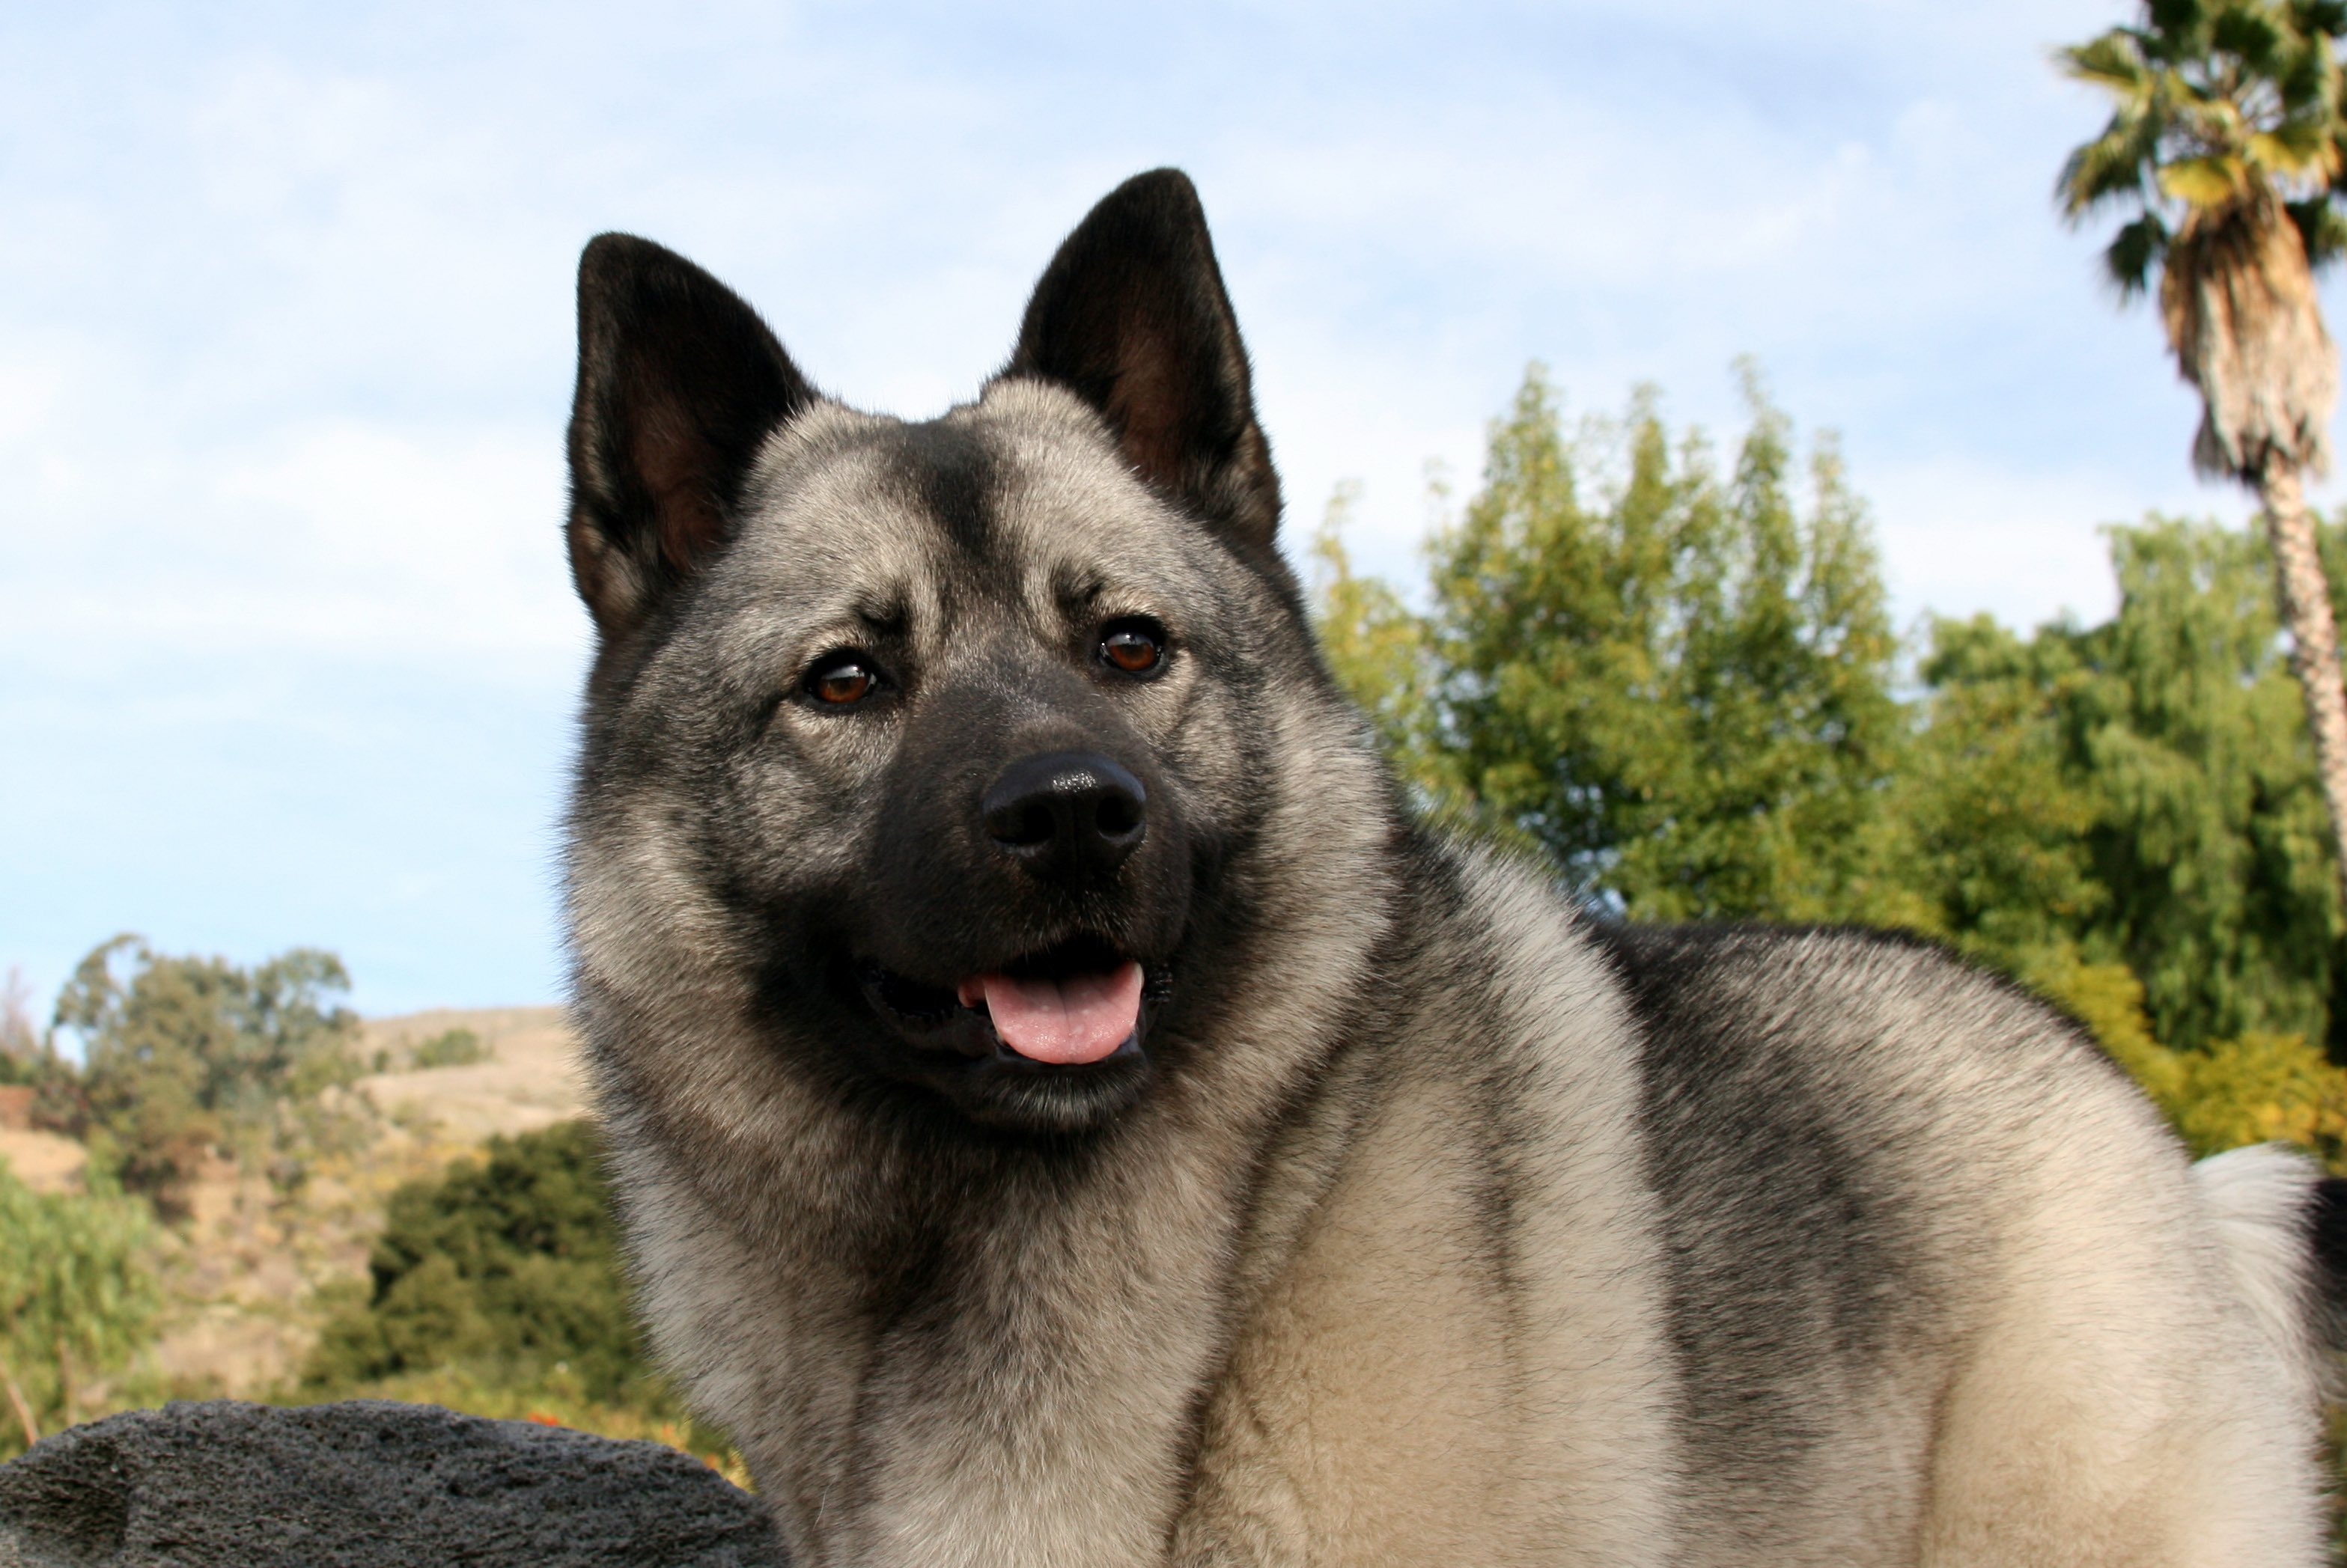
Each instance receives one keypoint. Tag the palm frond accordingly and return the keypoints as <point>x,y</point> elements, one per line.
<point>2206,183</point>
<point>2321,228</point>
<point>2298,152</point>
<point>2116,165</point>
<point>2114,62</point>
<point>2210,121</point>
<point>2250,34</point>
<point>2305,81</point>
<point>2134,252</point>
<point>2247,34</point>
<point>2182,23</point>
<point>2325,19</point>
<point>2110,168</point>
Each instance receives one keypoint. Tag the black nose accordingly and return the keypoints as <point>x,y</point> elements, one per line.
<point>1066,814</point>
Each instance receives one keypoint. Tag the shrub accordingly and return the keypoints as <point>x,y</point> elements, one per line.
<point>507,1266</point>
<point>452,1048</point>
<point>77,1300</point>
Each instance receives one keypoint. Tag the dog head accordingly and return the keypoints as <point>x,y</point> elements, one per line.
<point>947,746</point>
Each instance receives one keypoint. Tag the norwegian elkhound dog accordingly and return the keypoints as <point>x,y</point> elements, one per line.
<point>1068,1115</point>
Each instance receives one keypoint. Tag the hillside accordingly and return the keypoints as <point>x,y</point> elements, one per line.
<point>247,1277</point>
<point>45,1162</point>
<point>529,1081</point>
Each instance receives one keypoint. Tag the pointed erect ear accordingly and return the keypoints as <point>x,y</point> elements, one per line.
<point>1131,316</point>
<point>679,383</point>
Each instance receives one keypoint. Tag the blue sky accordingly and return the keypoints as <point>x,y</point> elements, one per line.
<point>287,653</point>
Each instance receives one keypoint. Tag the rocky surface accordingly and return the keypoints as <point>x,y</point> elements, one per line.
<point>366,1484</point>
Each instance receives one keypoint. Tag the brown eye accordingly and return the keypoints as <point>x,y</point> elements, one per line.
<point>841,680</point>
<point>1136,647</point>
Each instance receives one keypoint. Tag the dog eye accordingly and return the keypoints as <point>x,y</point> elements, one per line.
<point>1135,645</point>
<point>841,680</point>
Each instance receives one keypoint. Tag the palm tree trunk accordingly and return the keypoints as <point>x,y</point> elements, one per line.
<point>2305,599</point>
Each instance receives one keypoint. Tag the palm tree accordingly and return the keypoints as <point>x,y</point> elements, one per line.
<point>2227,142</point>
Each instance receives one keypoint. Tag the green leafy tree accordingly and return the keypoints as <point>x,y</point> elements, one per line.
<point>2213,839</point>
<point>77,1300</point>
<point>2141,791</point>
<point>1994,807</point>
<point>2224,141</point>
<point>1674,682</point>
<point>509,1266</point>
<point>182,1055</point>
<point>1383,655</point>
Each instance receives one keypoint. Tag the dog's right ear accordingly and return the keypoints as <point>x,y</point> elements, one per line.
<point>679,384</point>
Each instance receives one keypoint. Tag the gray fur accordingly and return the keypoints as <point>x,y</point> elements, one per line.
<point>1442,1224</point>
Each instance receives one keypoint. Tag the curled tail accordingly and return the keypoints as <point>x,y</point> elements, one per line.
<point>2283,1226</point>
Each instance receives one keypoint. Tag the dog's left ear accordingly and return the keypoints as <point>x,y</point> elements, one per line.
<point>1133,317</point>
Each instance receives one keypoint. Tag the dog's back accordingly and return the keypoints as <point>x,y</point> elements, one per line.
<point>1940,1274</point>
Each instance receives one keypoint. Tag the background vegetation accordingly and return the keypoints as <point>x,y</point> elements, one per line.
<point>507,1266</point>
<point>495,1288</point>
<point>76,1300</point>
<point>1669,674</point>
<point>189,1058</point>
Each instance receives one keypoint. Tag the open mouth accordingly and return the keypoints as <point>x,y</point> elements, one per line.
<point>1075,1005</point>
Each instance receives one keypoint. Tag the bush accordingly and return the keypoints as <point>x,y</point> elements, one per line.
<point>507,1266</point>
<point>77,1300</point>
<point>452,1048</point>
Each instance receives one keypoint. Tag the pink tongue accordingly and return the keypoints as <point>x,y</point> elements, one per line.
<point>1074,1020</point>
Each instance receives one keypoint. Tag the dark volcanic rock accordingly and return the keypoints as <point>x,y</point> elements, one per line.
<point>367,1484</point>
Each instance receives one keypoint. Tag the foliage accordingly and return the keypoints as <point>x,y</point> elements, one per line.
<point>75,1300</point>
<point>507,1269</point>
<point>495,1290</point>
<point>2262,1088</point>
<point>1993,814</point>
<point>2257,1089</point>
<point>182,1055</point>
<point>2160,804</point>
<point>1678,690</point>
<point>21,1049</point>
<point>2214,843</point>
<point>1382,653</point>
<point>451,1047</point>
<point>1674,682</point>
